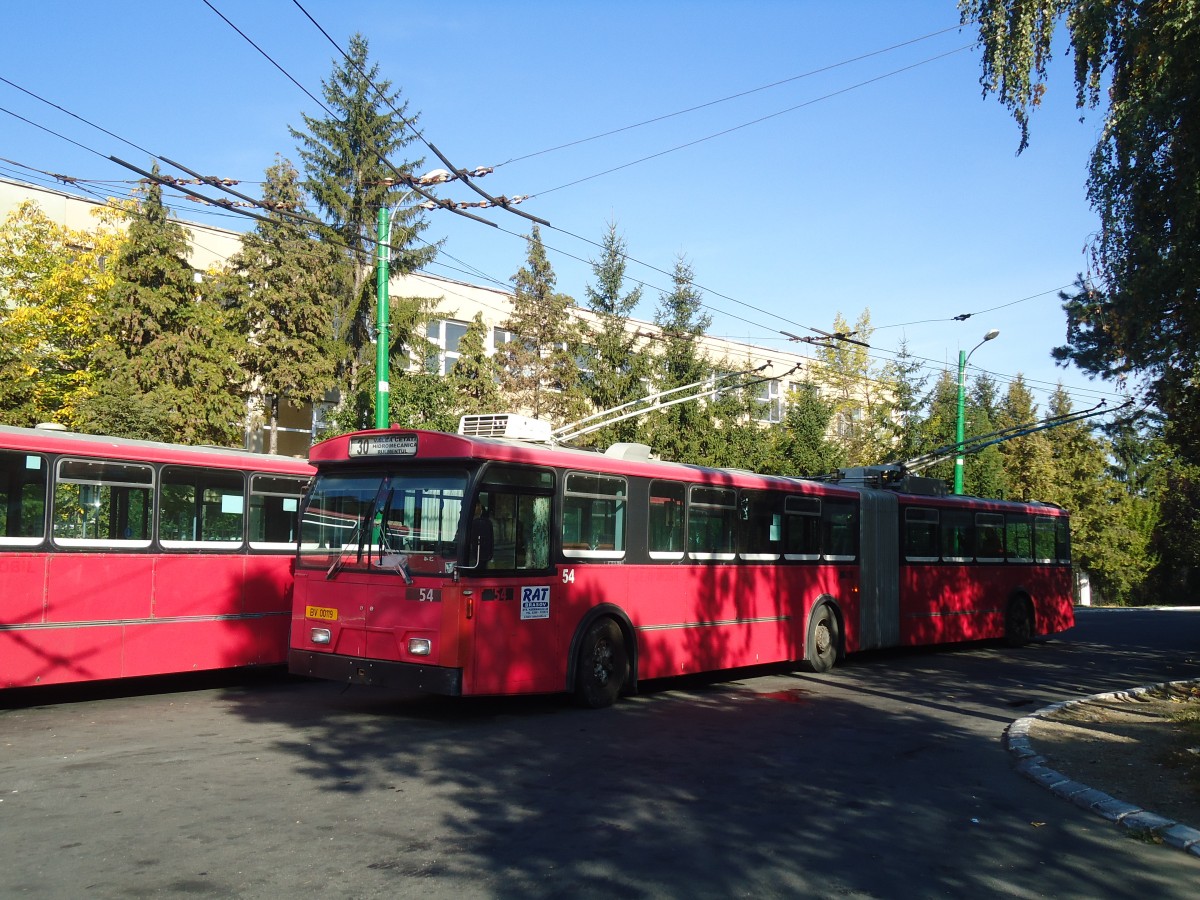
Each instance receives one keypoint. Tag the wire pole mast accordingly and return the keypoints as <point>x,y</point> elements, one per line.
<point>382,342</point>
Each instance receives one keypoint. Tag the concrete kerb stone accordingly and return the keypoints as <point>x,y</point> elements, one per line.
<point>1131,818</point>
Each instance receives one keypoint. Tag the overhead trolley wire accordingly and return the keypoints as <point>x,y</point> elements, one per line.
<point>736,96</point>
<point>462,174</point>
<point>757,121</point>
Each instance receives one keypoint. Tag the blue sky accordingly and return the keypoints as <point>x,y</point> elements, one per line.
<point>886,183</point>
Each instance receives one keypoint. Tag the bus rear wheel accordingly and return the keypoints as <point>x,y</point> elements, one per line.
<point>821,648</point>
<point>1018,622</point>
<point>603,665</point>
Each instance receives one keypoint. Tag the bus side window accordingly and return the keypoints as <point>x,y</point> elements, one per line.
<point>802,527</point>
<point>957,539</point>
<point>989,537</point>
<point>274,502</point>
<point>103,502</point>
<point>666,520</point>
<point>1043,539</point>
<point>22,498</point>
<point>712,522</point>
<point>593,516</point>
<point>921,535</point>
<point>519,502</point>
<point>762,526</point>
<point>839,521</point>
<point>200,506</point>
<point>1018,543</point>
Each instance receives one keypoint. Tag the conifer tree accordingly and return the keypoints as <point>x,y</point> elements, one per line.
<point>475,379</point>
<point>802,444</point>
<point>1028,467</point>
<point>344,157</point>
<point>940,425</point>
<point>906,378</point>
<point>614,369</point>
<point>280,290</point>
<point>540,372</point>
<point>1109,534</point>
<point>983,474</point>
<point>168,352</point>
<point>677,431</point>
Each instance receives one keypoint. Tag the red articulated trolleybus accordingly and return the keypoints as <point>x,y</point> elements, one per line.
<point>121,558</point>
<point>467,565</point>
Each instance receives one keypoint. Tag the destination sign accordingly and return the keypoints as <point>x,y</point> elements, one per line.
<point>384,445</point>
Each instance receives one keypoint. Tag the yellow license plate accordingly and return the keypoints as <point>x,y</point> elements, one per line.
<point>324,613</point>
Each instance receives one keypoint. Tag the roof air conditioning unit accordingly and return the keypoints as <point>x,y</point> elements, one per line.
<point>505,425</point>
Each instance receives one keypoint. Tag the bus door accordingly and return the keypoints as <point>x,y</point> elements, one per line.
<point>879,562</point>
<point>506,566</point>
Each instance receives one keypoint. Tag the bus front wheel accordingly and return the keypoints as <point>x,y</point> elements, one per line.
<point>603,665</point>
<point>821,648</point>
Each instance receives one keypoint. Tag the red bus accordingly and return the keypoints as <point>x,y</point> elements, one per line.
<point>122,558</point>
<point>469,565</point>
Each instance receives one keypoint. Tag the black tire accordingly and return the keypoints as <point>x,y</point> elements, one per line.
<point>822,647</point>
<point>603,665</point>
<point>1018,622</point>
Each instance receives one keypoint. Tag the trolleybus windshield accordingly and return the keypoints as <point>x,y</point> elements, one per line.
<point>403,522</point>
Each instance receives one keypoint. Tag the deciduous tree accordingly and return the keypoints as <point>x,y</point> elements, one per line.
<point>1139,310</point>
<point>50,279</point>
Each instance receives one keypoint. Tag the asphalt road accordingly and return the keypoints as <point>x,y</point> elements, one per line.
<point>884,778</point>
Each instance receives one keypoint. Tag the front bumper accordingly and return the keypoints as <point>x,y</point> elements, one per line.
<point>376,672</point>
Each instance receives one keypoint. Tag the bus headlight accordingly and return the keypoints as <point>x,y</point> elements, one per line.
<point>420,646</point>
<point>319,636</point>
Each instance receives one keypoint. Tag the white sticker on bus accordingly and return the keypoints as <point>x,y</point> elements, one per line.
<point>535,602</point>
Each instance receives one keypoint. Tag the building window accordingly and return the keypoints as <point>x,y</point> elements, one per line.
<point>446,335</point>
<point>769,400</point>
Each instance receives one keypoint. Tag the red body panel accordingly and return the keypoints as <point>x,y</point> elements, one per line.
<point>82,613</point>
<point>95,616</point>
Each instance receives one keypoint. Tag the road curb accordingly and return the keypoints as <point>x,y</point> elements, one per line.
<point>1134,819</point>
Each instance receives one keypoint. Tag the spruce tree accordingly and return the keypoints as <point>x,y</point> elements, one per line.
<point>344,157</point>
<point>475,379</point>
<point>906,378</point>
<point>280,289</point>
<point>539,364</point>
<point>614,369</point>
<point>1028,466</point>
<point>677,431</point>
<point>983,474</point>
<point>168,350</point>
<point>803,444</point>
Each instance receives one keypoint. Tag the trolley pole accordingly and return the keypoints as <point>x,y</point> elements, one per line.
<point>382,343</point>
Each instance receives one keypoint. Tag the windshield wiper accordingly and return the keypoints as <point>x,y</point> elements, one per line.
<point>360,527</point>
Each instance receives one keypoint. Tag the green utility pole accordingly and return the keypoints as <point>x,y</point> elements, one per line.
<point>382,343</point>
<point>958,434</point>
<point>962,390</point>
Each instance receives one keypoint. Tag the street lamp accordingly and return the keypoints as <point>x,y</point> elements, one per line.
<point>963,357</point>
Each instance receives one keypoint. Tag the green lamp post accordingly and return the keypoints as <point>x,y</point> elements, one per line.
<point>963,358</point>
